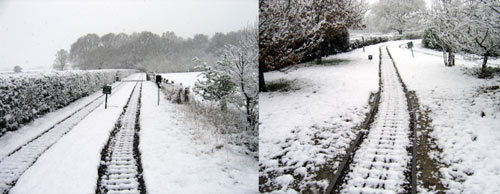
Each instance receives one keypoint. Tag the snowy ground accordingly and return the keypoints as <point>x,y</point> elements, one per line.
<point>69,166</point>
<point>303,130</point>
<point>13,139</point>
<point>470,140</point>
<point>186,78</point>
<point>177,155</point>
<point>380,163</point>
<point>299,129</point>
<point>176,159</point>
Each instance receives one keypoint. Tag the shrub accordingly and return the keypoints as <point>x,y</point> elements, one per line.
<point>431,40</point>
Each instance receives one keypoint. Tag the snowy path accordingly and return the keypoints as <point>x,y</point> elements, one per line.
<point>379,165</point>
<point>468,140</point>
<point>120,165</point>
<point>70,164</point>
<point>14,165</point>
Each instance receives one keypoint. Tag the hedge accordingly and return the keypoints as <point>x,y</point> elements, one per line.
<point>26,96</point>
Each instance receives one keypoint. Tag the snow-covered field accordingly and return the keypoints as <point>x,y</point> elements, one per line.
<point>303,130</point>
<point>470,140</point>
<point>176,159</point>
<point>186,78</point>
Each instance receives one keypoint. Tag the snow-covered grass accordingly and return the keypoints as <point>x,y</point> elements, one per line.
<point>229,124</point>
<point>183,156</point>
<point>304,131</point>
<point>465,114</point>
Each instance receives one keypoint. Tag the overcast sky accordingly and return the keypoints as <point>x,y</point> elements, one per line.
<point>31,31</point>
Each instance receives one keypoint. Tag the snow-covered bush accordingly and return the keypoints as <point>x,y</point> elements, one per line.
<point>431,39</point>
<point>358,43</point>
<point>26,96</point>
<point>176,92</point>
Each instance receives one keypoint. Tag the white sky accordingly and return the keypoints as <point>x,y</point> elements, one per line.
<point>31,31</point>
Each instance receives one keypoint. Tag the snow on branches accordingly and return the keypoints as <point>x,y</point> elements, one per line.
<point>234,78</point>
<point>470,27</point>
<point>291,30</point>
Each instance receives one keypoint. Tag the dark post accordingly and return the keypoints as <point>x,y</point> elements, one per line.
<point>106,102</point>
<point>158,82</point>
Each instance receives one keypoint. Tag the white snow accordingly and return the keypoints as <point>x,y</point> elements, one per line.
<point>13,139</point>
<point>380,163</point>
<point>72,162</point>
<point>175,158</point>
<point>470,143</point>
<point>332,99</point>
<point>186,78</point>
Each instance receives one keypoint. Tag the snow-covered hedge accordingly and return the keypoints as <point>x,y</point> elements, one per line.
<point>375,39</point>
<point>26,96</point>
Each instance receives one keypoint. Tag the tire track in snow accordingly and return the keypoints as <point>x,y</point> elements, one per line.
<point>382,162</point>
<point>18,161</point>
<point>121,170</point>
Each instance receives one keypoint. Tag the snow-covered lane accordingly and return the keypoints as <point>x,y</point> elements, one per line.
<point>120,165</point>
<point>380,163</point>
<point>174,160</point>
<point>70,165</point>
<point>457,99</point>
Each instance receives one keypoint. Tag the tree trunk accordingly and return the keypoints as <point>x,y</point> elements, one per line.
<point>483,67</point>
<point>445,58</point>
<point>250,113</point>
<point>451,59</point>
<point>223,105</point>
<point>318,60</point>
<point>262,83</point>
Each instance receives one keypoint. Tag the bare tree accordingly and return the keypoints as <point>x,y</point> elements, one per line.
<point>240,61</point>
<point>443,22</point>
<point>481,30</point>
<point>469,27</point>
<point>61,61</point>
<point>398,15</point>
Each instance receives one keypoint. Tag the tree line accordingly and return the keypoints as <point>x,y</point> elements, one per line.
<point>145,51</point>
